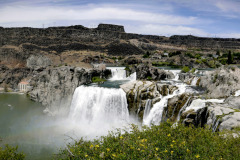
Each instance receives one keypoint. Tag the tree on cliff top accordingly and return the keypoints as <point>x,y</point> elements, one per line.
<point>230,58</point>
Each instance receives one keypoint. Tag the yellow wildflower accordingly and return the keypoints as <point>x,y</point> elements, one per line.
<point>166,151</point>
<point>188,150</point>
<point>157,149</point>
<point>108,149</point>
<point>121,137</point>
<point>86,155</point>
<point>91,146</point>
<point>173,141</point>
<point>114,155</point>
<point>138,137</point>
<point>171,152</point>
<point>97,146</point>
<point>197,156</point>
<point>171,145</point>
<point>169,135</point>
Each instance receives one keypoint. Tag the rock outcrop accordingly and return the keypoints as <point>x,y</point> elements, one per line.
<point>143,93</point>
<point>222,82</point>
<point>148,72</point>
<point>36,62</point>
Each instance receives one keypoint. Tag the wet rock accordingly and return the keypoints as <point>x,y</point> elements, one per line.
<point>174,106</point>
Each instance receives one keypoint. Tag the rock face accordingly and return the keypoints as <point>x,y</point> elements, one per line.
<point>143,93</point>
<point>148,72</point>
<point>54,87</point>
<point>222,82</point>
<point>18,44</point>
<point>12,77</point>
<point>36,62</point>
<point>174,106</point>
<point>110,27</point>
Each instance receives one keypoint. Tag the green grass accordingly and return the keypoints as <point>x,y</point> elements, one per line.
<point>159,142</point>
<point>97,80</point>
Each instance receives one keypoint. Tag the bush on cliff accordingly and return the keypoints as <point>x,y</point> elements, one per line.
<point>97,80</point>
<point>157,142</point>
<point>185,69</point>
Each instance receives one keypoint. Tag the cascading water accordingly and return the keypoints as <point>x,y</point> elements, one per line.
<point>176,74</point>
<point>147,108</point>
<point>99,106</point>
<point>119,73</point>
<point>155,115</point>
<point>194,81</point>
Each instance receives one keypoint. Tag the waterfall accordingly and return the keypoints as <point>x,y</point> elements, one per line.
<point>97,106</point>
<point>119,73</point>
<point>175,73</point>
<point>194,81</point>
<point>183,108</point>
<point>155,115</point>
<point>147,108</point>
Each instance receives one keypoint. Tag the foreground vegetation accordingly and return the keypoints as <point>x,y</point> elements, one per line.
<point>10,153</point>
<point>159,142</point>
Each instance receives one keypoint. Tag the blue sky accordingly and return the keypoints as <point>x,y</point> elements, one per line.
<point>211,18</point>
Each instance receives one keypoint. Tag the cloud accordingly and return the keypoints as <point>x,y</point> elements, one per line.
<point>228,6</point>
<point>168,30</point>
<point>26,14</point>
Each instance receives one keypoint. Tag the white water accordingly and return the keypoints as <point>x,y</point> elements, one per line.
<point>237,93</point>
<point>194,81</point>
<point>155,115</point>
<point>119,73</point>
<point>176,74</point>
<point>99,106</point>
<point>147,108</point>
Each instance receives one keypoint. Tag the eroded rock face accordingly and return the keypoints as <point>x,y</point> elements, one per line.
<point>222,82</point>
<point>12,77</point>
<point>174,106</point>
<point>145,71</point>
<point>54,87</point>
<point>140,92</point>
<point>40,61</point>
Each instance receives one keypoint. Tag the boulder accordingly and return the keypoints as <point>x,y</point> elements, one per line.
<point>222,82</point>
<point>145,71</point>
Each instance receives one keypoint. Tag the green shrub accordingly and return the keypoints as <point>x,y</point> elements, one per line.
<point>97,80</point>
<point>204,60</point>
<point>223,61</point>
<point>189,55</point>
<point>211,64</point>
<point>157,142</point>
<point>149,78</point>
<point>185,69</point>
<point>146,55</point>
<point>10,153</point>
<point>193,70</point>
<point>198,61</point>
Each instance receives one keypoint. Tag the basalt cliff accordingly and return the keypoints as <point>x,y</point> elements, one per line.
<point>78,45</point>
